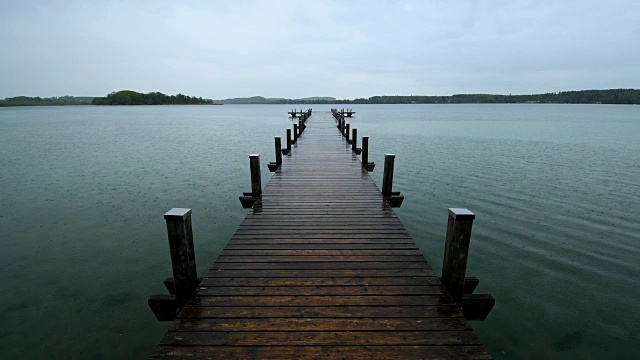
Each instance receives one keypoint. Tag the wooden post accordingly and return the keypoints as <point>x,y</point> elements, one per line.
<point>354,139</point>
<point>274,165</point>
<point>387,177</point>
<point>183,259</point>
<point>278,150</point>
<point>347,135</point>
<point>256,180</point>
<point>456,251</point>
<point>300,127</point>
<point>295,133</point>
<point>288,141</point>
<point>365,150</point>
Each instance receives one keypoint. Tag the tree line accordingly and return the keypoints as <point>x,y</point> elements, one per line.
<point>612,96</point>
<point>52,101</point>
<point>128,97</point>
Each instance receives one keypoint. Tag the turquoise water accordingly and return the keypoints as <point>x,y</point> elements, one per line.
<point>555,189</point>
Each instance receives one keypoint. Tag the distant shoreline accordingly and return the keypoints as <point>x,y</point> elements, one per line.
<point>64,105</point>
<point>293,104</point>
<point>128,97</point>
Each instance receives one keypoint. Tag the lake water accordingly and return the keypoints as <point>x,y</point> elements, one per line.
<point>555,189</point>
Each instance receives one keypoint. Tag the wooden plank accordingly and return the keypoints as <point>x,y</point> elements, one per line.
<point>319,246</point>
<point>467,352</point>
<point>327,300</point>
<point>266,240</point>
<point>323,259</point>
<point>293,338</point>
<point>317,266</point>
<point>319,252</point>
<point>336,311</point>
<point>297,290</point>
<point>322,324</point>
<point>318,282</point>
<point>337,238</point>
<point>336,273</point>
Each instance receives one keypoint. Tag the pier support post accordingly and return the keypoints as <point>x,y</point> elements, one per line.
<point>387,178</point>
<point>456,251</point>
<point>354,141</point>
<point>278,150</point>
<point>454,267</point>
<point>295,133</point>
<point>347,134</point>
<point>369,166</point>
<point>183,259</point>
<point>288,151</point>
<point>273,166</point>
<point>394,198</point>
<point>183,263</point>
<point>249,198</point>
<point>256,180</point>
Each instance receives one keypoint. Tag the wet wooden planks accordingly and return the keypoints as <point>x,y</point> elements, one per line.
<point>321,267</point>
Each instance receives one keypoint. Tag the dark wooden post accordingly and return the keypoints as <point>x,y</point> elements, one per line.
<point>274,165</point>
<point>369,166</point>
<point>300,127</point>
<point>354,139</point>
<point>347,135</point>
<point>365,150</point>
<point>387,177</point>
<point>295,133</point>
<point>456,251</point>
<point>256,180</point>
<point>183,259</point>
<point>288,141</point>
<point>278,150</point>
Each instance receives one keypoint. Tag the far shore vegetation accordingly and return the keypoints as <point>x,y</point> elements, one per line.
<point>128,97</point>
<point>612,96</point>
<point>52,101</point>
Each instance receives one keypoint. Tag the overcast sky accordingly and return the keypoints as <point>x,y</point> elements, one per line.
<point>292,49</point>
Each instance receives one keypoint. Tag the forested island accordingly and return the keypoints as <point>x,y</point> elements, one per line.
<point>128,97</point>
<point>611,96</point>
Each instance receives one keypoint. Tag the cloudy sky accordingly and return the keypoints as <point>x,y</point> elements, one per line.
<point>345,49</point>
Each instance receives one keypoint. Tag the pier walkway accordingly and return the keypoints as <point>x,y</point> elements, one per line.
<point>321,268</point>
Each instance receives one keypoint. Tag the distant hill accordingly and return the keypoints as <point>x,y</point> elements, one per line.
<point>319,98</point>
<point>250,100</point>
<point>263,100</point>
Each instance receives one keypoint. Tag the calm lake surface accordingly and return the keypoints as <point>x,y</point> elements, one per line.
<point>555,189</point>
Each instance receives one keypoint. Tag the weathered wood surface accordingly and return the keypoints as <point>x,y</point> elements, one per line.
<point>321,268</point>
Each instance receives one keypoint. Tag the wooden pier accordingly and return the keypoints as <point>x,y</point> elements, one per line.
<point>295,112</point>
<point>322,268</point>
